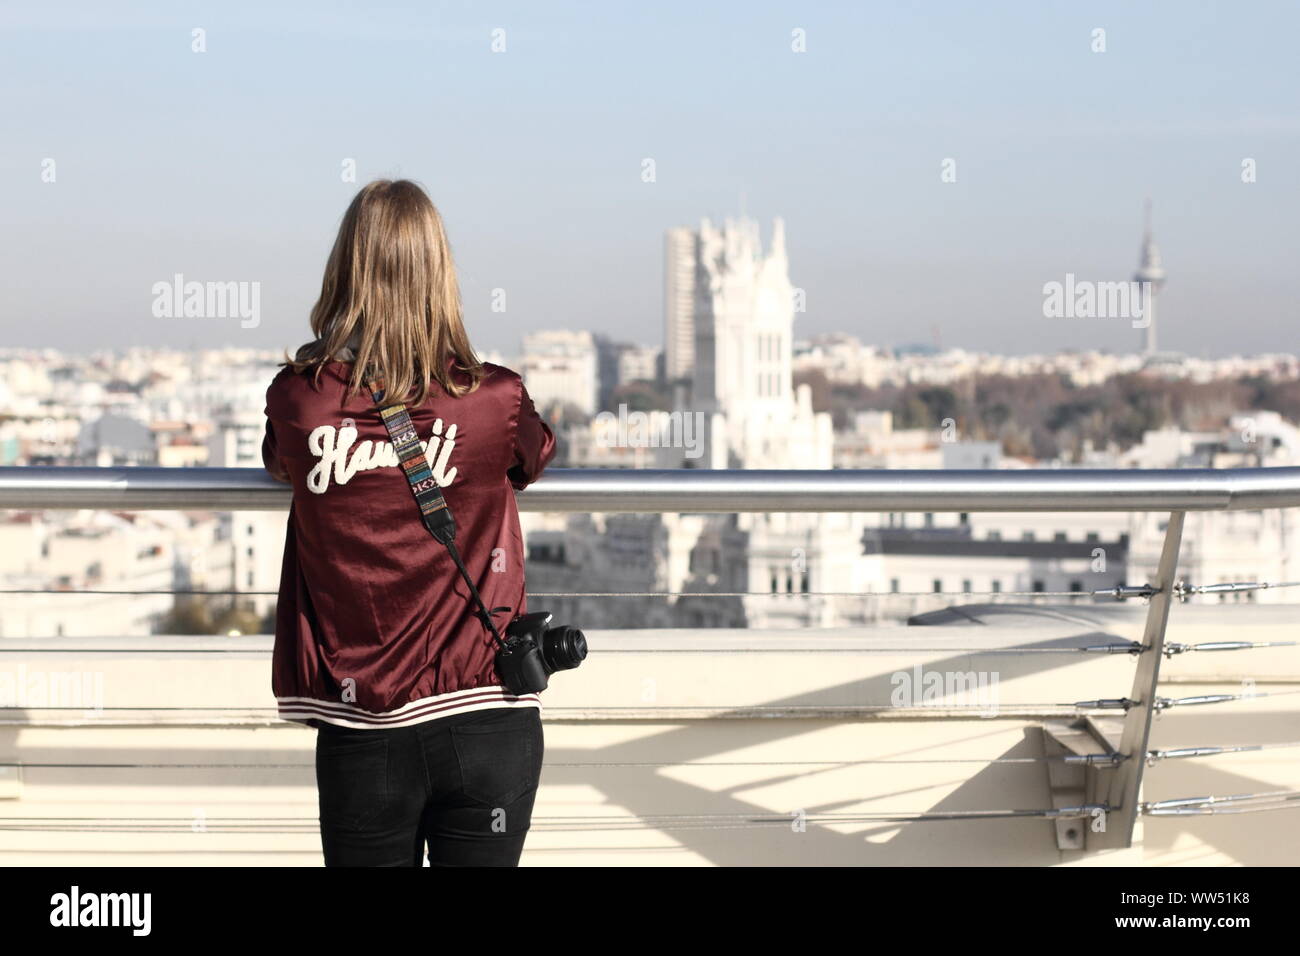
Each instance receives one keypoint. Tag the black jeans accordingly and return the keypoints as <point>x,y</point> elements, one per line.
<point>463,785</point>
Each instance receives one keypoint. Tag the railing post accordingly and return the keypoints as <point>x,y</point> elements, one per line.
<point>1126,784</point>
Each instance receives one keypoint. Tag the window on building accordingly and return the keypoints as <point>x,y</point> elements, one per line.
<point>1059,536</point>
<point>1076,586</point>
<point>965,586</point>
<point>938,585</point>
<point>997,587</point>
<point>1038,586</point>
<point>893,585</point>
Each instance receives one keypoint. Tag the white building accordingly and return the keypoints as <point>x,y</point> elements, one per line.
<point>85,571</point>
<point>638,364</point>
<point>742,381</point>
<point>1085,551</point>
<point>256,538</point>
<point>560,366</point>
<point>680,262</point>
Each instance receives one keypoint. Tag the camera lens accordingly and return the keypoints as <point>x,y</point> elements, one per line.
<point>563,648</point>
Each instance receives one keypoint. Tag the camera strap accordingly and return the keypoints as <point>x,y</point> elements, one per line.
<point>434,512</point>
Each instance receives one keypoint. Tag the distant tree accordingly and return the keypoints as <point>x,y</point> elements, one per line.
<point>189,615</point>
<point>640,396</point>
<point>820,387</point>
<point>238,620</point>
<point>561,414</point>
<point>941,403</point>
<point>1047,416</point>
<point>912,412</point>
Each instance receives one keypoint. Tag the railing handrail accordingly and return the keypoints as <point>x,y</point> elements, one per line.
<point>712,491</point>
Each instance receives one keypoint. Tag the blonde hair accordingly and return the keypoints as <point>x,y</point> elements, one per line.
<point>390,294</point>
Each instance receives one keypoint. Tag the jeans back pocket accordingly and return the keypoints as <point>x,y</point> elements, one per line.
<point>352,779</point>
<point>500,756</point>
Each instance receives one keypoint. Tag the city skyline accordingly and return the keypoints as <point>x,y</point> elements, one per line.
<point>1146,282</point>
<point>934,168</point>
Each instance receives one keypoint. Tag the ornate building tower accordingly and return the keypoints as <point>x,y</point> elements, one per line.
<point>742,375</point>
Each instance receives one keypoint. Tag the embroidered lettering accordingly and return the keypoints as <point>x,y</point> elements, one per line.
<point>338,459</point>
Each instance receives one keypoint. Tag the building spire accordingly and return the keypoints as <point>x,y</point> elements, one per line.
<point>1151,274</point>
<point>778,239</point>
<point>1149,268</point>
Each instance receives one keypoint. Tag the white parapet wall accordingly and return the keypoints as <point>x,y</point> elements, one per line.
<point>675,747</point>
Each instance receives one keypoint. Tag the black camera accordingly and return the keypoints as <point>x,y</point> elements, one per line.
<point>533,651</point>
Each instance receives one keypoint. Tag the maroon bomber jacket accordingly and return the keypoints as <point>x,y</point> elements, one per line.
<point>375,627</point>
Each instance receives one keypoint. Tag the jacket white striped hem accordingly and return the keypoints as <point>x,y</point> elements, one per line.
<point>304,709</point>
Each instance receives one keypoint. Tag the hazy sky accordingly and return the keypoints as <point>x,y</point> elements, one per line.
<point>225,165</point>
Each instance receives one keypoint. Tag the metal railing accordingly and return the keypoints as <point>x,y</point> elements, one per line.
<point>585,490</point>
<point>723,492</point>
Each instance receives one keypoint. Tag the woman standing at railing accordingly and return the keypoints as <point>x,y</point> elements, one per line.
<point>378,644</point>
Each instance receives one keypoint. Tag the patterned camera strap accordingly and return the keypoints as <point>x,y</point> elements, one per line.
<point>401,432</point>
<point>428,496</point>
